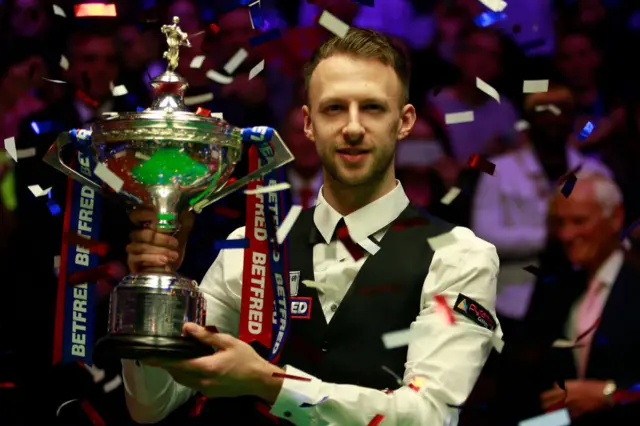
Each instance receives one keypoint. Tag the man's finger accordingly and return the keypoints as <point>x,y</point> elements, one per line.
<point>153,237</point>
<point>218,340</point>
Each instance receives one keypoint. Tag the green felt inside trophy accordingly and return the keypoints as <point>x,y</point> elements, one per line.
<point>169,165</point>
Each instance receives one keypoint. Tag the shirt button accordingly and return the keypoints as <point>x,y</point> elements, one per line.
<point>334,307</point>
<point>287,414</point>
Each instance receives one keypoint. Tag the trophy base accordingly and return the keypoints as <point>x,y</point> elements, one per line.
<point>114,346</point>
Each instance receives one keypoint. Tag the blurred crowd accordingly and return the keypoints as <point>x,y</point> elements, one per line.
<point>57,73</point>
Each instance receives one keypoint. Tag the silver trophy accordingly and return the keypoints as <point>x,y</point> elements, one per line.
<point>171,159</point>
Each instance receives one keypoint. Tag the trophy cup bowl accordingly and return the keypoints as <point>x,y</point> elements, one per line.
<point>173,160</point>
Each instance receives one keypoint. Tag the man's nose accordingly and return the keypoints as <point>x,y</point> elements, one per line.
<point>353,131</point>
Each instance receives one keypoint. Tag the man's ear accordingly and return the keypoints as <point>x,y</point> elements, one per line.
<point>308,126</point>
<point>407,120</point>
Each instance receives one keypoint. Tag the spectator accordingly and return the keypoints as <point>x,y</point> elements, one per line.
<point>509,207</point>
<point>478,55</point>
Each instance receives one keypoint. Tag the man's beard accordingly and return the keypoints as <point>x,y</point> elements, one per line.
<point>380,164</point>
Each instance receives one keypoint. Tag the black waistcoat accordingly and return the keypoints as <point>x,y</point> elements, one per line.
<point>384,297</point>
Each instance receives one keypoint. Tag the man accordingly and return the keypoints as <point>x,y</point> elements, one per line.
<point>357,110</point>
<point>510,207</point>
<point>591,303</point>
<point>479,54</point>
<point>38,237</point>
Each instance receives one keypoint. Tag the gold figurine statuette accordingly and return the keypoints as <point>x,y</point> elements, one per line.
<point>175,38</point>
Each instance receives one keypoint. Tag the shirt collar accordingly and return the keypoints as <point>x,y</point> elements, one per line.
<point>610,268</point>
<point>365,221</point>
<point>532,164</point>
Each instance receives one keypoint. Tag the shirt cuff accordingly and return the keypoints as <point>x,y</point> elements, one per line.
<point>293,394</point>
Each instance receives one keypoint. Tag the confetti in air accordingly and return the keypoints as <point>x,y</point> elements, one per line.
<point>217,115</point>
<point>268,189</point>
<point>111,179</point>
<point>450,196</point>
<point>59,11</point>
<point>51,80</point>
<point>119,90</point>
<point>522,125</point>
<point>255,14</point>
<point>10,147</point>
<point>482,164</point>
<point>256,70</point>
<point>369,246</point>
<point>287,223</point>
<point>95,10</point>
<point>197,61</point>
<point>241,243</point>
<point>198,99</point>
<point>567,188</point>
<point>586,131</point>
<point>486,88</point>
<point>400,338</point>
<point>64,62</point>
<point>37,191</point>
<point>459,117</point>
<point>218,78</point>
<point>397,378</point>
<point>535,86</point>
<point>556,418</point>
<point>112,385</point>
<point>236,60</point>
<point>494,5</point>
<point>333,24</point>
<point>551,108</point>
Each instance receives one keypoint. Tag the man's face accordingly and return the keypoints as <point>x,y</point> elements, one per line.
<point>587,234</point>
<point>578,61</point>
<point>355,119</point>
<point>481,57</point>
<point>29,18</point>
<point>93,66</point>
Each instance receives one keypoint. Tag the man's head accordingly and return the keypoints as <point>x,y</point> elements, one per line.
<point>578,59</point>
<point>93,63</point>
<point>589,221</point>
<point>479,54</point>
<point>551,117</point>
<point>357,107</point>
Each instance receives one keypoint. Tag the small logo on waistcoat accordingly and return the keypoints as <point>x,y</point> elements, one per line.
<point>294,282</point>
<point>300,307</point>
<point>463,305</point>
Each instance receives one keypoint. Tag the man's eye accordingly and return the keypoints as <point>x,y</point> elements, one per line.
<point>334,108</point>
<point>373,107</point>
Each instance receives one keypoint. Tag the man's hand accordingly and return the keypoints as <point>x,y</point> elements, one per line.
<point>581,397</point>
<point>234,370</point>
<point>150,248</point>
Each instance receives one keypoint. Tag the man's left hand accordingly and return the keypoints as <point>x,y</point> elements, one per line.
<point>234,370</point>
<point>581,397</point>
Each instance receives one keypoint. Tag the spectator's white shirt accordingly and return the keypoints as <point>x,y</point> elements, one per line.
<point>510,210</point>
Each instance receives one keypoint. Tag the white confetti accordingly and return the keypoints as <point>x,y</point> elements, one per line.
<point>218,78</point>
<point>58,11</point>
<point>451,195</point>
<point>64,403</point>
<point>333,24</point>
<point>236,60</point>
<point>112,384</point>
<point>108,177</point>
<point>535,86</point>
<point>397,339</point>
<point>119,90</point>
<point>109,114</point>
<point>459,117</point>
<point>10,147</point>
<point>371,247</point>
<point>141,156</point>
<point>256,70</point>
<point>488,89</point>
<point>522,125</point>
<point>26,153</point>
<point>551,108</point>
<point>37,191</point>
<point>64,62</point>
<point>555,418</point>
<point>98,374</point>
<point>56,262</point>
<point>441,241</point>
<point>197,61</point>
<point>269,188</point>
<point>323,287</point>
<point>54,81</point>
<point>287,223</point>
<point>198,99</point>
<point>494,5</point>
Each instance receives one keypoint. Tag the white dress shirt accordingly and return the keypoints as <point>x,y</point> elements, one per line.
<point>606,274</point>
<point>449,356</point>
<point>510,210</point>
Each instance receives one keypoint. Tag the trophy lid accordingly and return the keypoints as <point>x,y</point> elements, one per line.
<point>167,119</point>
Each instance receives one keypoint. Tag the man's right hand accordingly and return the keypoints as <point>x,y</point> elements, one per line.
<point>150,248</point>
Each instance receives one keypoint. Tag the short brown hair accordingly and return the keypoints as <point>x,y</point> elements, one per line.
<point>363,43</point>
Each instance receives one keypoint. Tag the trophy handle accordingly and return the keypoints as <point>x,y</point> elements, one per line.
<point>281,156</point>
<point>53,157</point>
